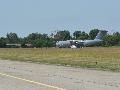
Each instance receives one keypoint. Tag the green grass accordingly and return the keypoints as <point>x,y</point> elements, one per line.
<point>93,57</point>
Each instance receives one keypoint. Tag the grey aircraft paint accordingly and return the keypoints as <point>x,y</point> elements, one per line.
<point>82,43</point>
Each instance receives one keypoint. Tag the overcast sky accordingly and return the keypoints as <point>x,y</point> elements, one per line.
<point>46,16</point>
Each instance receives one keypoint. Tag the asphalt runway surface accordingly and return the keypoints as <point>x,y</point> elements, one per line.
<point>16,75</point>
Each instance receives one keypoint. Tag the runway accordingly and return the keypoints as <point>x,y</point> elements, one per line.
<point>15,75</point>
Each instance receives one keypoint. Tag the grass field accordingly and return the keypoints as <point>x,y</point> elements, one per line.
<point>90,57</point>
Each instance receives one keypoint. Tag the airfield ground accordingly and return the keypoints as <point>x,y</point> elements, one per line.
<point>15,75</point>
<point>105,58</point>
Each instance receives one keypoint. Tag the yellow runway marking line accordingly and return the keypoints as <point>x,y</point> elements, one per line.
<point>30,81</point>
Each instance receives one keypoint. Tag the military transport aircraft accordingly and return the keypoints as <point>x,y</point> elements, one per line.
<point>82,43</point>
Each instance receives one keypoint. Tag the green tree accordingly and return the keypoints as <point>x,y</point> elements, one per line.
<point>80,35</point>
<point>93,33</point>
<point>77,34</point>
<point>83,36</point>
<point>38,43</point>
<point>117,37</point>
<point>12,38</point>
<point>35,36</point>
<point>2,42</point>
<point>109,40</point>
<point>62,35</point>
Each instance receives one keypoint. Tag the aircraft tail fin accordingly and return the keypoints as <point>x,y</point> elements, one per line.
<point>101,34</point>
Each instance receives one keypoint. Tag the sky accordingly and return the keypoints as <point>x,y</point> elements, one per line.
<point>47,16</point>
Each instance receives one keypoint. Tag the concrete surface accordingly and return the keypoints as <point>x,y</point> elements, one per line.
<point>51,77</point>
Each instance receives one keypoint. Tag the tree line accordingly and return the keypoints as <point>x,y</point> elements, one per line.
<point>39,40</point>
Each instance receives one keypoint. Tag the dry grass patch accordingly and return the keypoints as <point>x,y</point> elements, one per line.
<point>94,57</point>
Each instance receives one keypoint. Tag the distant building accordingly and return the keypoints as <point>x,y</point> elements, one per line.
<point>19,46</point>
<point>13,45</point>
